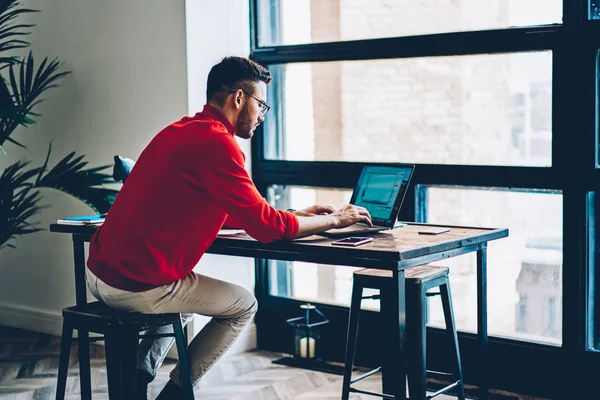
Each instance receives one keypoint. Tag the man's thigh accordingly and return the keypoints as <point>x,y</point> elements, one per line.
<point>200,294</point>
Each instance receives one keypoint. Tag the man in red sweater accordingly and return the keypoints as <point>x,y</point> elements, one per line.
<point>186,185</point>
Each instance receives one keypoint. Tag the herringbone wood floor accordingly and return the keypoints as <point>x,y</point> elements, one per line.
<point>29,365</point>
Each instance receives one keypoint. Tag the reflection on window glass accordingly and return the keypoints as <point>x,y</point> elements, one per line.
<point>483,110</point>
<point>594,9</point>
<point>524,270</point>
<point>285,22</point>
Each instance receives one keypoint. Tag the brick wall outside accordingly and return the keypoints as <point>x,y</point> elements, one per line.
<point>450,110</point>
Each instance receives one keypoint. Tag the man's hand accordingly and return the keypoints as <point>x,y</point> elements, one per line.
<point>351,214</point>
<point>314,210</point>
<point>321,221</point>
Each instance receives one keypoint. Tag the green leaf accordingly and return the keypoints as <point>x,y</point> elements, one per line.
<point>11,33</point>
<point>26,90</point>
<point>70,176</point>
<point>21,186</point>
<point>16,210</point>
<point>15,143</point>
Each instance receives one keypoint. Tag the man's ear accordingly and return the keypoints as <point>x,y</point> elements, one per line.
<point>238,99</point>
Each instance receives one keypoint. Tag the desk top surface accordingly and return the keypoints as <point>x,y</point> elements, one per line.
<point>396,245</point>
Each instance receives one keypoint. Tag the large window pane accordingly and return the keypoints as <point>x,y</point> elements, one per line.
<point>477,110</point>
<point>524,270</point>
<point>284,22</point>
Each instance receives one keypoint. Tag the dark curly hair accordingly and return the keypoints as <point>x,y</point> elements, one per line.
<point>234,73</point>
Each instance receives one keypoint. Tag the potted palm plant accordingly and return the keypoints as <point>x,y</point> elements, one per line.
<point>22,84</point>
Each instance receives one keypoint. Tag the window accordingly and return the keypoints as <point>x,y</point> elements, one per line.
<point>524,269</point>
<point>496,103</point>
<point>313,21</point>
<point>476,110</point>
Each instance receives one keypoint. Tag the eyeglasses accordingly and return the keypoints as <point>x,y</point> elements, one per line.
<point>264,108</point>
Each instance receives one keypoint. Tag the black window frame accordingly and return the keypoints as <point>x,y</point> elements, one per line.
<point>560,370</point>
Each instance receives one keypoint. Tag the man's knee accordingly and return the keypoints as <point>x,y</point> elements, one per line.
<point>248,305</point>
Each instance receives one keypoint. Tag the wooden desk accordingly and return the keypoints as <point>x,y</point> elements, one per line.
<point>394,250</point>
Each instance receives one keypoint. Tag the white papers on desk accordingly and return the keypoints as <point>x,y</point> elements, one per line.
<point>230,232</point>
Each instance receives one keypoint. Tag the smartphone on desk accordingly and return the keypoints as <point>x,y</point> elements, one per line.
<point>352,241</point>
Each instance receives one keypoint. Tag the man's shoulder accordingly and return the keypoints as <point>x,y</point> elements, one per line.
<point>190,130</point>
<point>198,122</point>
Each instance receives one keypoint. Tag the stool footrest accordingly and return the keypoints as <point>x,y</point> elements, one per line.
<point>432,294</point>
<point>365,375</point>
<point>91,339</point>
<point>385,396</point>
<point>444,390</point>
<point>440,374</point>
<point>156,336</point>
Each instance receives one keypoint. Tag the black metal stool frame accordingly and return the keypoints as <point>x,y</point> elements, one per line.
<point>416,324</point>
<point>121,336</point>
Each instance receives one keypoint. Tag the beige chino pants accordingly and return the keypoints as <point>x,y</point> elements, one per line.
<point>231,306</point>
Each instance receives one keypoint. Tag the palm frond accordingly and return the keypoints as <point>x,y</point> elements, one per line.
<point>70,176</point>
<point>8,139</point>
<point>25,92</point>
<point>6,100</point>
<point>10,33</point>
<point>19,202</point>
<point>21,185</point>
<point>18,176</point>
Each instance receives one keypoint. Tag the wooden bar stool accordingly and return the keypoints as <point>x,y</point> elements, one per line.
<point>418,281</point>
<point>121,333</point>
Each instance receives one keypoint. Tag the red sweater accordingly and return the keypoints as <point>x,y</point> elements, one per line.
<point>184,185</point>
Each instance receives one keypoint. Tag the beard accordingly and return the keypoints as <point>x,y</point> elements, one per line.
<point>245,127</point>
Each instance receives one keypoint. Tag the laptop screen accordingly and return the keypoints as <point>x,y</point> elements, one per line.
<point>381,190</point>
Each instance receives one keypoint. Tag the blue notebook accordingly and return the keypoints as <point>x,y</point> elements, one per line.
<point>83,220</point>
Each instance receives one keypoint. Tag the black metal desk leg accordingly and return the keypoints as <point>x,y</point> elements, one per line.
<point>79,259</point>
<point>393,310</point>
<point>83,335</point>
<point>482,322</point>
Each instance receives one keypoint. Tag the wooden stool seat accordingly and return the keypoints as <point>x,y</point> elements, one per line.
<point>99,313</point>
<point>414,275</point>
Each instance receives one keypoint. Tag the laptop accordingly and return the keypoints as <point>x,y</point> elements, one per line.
<point>381,190</point>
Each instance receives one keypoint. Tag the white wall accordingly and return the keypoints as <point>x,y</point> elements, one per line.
<point>129,80</point>
<point>214,29</point>
<point>224,25</point>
